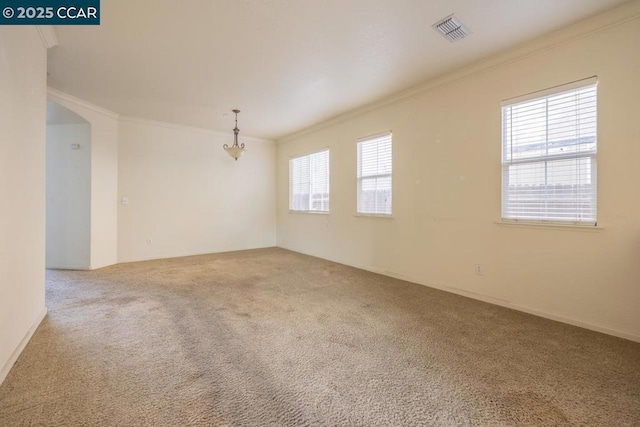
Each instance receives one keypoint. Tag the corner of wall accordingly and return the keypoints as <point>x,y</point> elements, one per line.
<point>4,371</point>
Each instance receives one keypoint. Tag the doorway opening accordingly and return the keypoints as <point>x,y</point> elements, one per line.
<point>68,189</point>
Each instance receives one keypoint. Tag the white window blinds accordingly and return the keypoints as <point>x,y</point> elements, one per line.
<point>309,182</point>
<point>374,175</point>
<point>549,147</point>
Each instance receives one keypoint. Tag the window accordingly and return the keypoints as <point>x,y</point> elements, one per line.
<point>549,147</point>
<point>309,182</point>
<point>374,175</point>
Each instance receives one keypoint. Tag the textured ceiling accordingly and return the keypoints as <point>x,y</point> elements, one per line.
<point>287,64</point>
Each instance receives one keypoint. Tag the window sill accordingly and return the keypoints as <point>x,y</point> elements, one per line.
<point>309,212</point>
<point>549,226</point>
<point>371,215</point>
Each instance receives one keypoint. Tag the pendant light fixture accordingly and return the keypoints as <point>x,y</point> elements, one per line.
<point>235,150</point>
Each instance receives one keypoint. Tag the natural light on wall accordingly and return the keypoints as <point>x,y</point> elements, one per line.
<point>549,148</point>
<point>374,174</point>
<point>309,182</point>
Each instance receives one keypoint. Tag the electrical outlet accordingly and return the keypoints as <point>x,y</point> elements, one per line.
<point>479,269</point>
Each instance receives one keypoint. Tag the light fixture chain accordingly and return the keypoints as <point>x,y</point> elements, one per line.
<point>236,149</point>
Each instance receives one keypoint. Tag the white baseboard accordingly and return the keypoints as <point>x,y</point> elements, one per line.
<point>67,267</point>
<point>16,353</point>
<point>558,318</point>
<point>79,267</point>
<point>492,300</point>
<point>187,254</point>
<point>102,265</point>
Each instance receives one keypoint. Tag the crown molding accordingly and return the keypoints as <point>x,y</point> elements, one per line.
<point>47,35</point>
<point>176,126</point>
<point>168,125</point>
<point>64,98</point>
<point>617,16</point>
<point>60,97</point>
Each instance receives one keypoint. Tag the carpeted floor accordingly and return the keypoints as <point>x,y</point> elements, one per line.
<point>272,337</point>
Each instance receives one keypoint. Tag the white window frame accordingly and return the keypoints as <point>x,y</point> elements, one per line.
<point>310,205</point>
<point>360,177</point>
<point>506,164</point>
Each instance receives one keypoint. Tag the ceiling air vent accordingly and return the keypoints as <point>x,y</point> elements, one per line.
<point>451,28</point>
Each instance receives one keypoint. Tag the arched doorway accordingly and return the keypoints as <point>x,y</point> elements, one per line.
<point>68,189</point>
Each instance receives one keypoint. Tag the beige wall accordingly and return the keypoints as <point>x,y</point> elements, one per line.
<point>22,189</point>
<point>188,196</point>
<point>446,146</point>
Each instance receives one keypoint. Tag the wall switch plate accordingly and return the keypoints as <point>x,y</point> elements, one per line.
<point>125,201</point>
<point>149,241</point>
<point>479,269</point>
<point>75,146</point>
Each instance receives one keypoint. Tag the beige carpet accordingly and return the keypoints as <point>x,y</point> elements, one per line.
<point>271,337</point>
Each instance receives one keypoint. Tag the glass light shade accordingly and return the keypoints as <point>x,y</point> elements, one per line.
<point>235,151</point>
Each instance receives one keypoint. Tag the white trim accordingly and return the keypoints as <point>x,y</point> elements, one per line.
<point>188,254</point>
<point>551,316</point>
<point>620,15</point>
<point>539,105</point>
<point>326,150</point>
<point>176,126</point>
<point>58,96</point>
<point>103,265</point>
<point>555,90</point>
<point>48,36</point>
<point>309,212</point>
<point>491,300</point>
<point>547,225</point>
<point>374,136</point>
<point>308,153</point>
<point>360,178</point>
<point>68,267</point>
<point>25,340</point>
<point>373,215</point>
<point>551,157</point>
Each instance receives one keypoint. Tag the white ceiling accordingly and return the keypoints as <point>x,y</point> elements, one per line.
<point>287,64</point>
